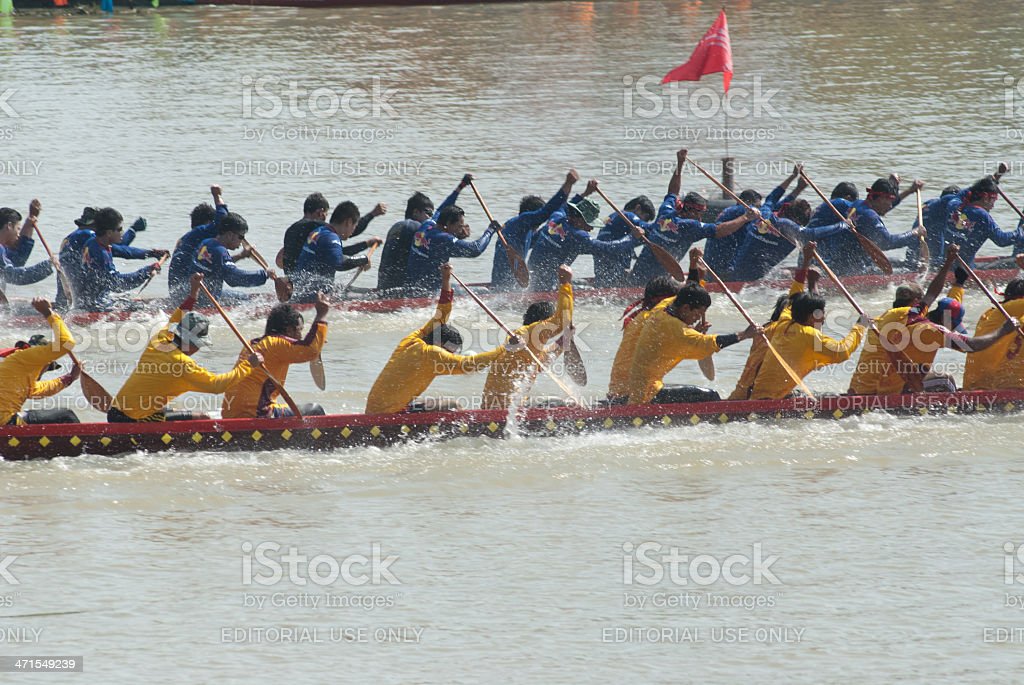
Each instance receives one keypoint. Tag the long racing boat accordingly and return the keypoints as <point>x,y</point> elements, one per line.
<point>361,430</point>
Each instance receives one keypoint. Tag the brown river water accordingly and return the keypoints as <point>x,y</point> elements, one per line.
<point>873,549</point>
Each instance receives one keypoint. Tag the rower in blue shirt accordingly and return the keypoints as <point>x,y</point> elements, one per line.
<point>935,212</point>
<point>969,223</point>
<point>16,247</point>
<point>842,198</point>
<point>843,252</point>
<point>762,250</point>
<point>612,271</point>
<point>519,231</point>
<point>214,261</point>
<point>100,277</point>
<point>437,241</point>
<point>678,226</point>
<point>73,246</point>
<point>719,253</point>
<point>323,255</point>
<point>566,236</point>
<point>392,272</point>
<point>204,220</point>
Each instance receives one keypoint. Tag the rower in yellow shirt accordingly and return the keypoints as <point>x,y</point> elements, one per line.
<point>512,374</point>
<point>782,315</point>
<point>658,294</point>
<point>281,345</point>
<point>425,354</point>
<point>804,347</point>
<point>911,337</point>
<point>166,369</point>
<point>669,336</point>
<point>22,367</point>
<point>1001,366</point>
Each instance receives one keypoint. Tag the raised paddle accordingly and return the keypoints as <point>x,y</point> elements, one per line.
<point>543,367</point>
<point>872,250</point>
<point>664,257</point>
<point>926,255</point>
<point>282,286</point>
<point>245,343</point>
<point>515,260</point>
<point>151,276</point>
<point>988,293</point>
<point>1010,202</point>
<point>771,348</point>
<point>736,198</point>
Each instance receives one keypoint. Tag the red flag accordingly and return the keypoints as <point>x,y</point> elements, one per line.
<point>713,54</point>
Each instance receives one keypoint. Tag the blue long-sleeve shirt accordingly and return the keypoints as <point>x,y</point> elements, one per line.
<point>100,278</point>
<point>761,251</point>
<point>12,265</point>
<point>719,253</point>
<point>218,269</point>
<point>842,251</point>
<point>322,256</point>
<point>559,243</point>
<point>673,233</point>
<point>610,270</point>
<point>934,212</point>
<point>70,257</point>
<point>431,247</point>
<point>518,231</point>
<point>182,264</point>
<point>392,269</point>
<point>970,226</point>
<point>823,215</point>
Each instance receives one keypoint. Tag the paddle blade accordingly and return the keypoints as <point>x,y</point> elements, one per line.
<point>283,287</point>
<point>519,269</point>
<point>876,254</point>
<point>707,367</point>
<point>668,262</point>
<point>97,396</point>
<point>316,369</point>
<point>926,255</point>
<point>574,365</point>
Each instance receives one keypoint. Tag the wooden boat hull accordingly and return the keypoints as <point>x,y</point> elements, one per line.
<point>360,430</point>
<point>260,305</point>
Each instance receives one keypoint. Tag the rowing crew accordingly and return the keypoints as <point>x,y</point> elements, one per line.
<point>664,328</point>
<point>744,243</point>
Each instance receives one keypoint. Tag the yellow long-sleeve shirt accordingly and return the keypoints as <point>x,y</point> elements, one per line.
<point>164,372</point>
<point>20,371</point>
<point>254,395</point>
<point>513,373</point>
<point>664,342</point>
<point>1000,367</point>
<point>759,348</point>
<point>414,365</point>
<point>805,349</point>
<point>618,384</point>
<point>916,344</point>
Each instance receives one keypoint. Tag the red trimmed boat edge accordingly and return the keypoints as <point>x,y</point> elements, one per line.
<point>361,430</point>
<point>370,305</point>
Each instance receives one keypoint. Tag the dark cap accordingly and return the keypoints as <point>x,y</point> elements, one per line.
<point>883,186</point>
<point>87,219</point>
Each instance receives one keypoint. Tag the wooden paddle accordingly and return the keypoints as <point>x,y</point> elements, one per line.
<point>245,343</point>
<point>988,293</point>
<point>1010,202</point>
<point>771,348</point>
<point>574,365</point>
<point>707,364</point>
<point>515,260</point>
<point>64,281</point>
<point>282,286</point>
<point>736,198</point>
<point>152,275</point>
<point>872,250</point>
<point>926,255</point>
<point>664,257</point>
<point>348,286</point>
<point>95,393</point>
<point>543,367</point>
